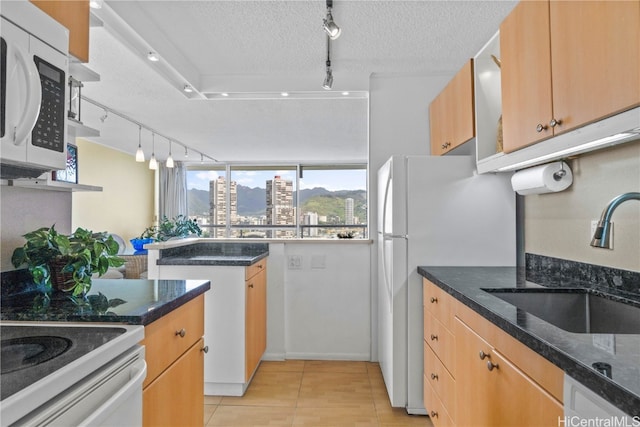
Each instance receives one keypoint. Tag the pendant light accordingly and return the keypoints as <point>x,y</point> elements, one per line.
<point>169,163</point>
<point>140,153</point>
<point>153,163</point>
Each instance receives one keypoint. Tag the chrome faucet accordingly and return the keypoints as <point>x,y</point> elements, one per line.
<point>602,235</point>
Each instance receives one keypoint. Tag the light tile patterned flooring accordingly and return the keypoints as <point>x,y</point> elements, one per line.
<point>311,393</point>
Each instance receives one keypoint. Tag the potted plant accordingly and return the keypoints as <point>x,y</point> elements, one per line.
<point>179,226</point>
<point>67,263</point>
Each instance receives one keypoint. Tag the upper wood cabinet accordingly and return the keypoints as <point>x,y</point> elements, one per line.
<point>451,113</point>
<point>73,14</point>
<point>566,64</point>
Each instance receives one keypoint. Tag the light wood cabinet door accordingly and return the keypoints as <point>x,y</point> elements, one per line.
<point>451,113</point>
<point>595,57</point>
<point>74,15</point>
<point>487,397</point>
<point>256,321</point>
<point>525,75</point>
<point>566,64</point>
<point>176,397</point>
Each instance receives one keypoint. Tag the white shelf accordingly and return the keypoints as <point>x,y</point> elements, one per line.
<point>81,72</point>
<point>77,129</point>
<point>48,184</point>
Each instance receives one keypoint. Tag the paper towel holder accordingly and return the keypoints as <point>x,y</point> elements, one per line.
<point>547,178</point>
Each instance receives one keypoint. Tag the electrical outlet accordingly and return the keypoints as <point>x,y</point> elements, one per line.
<point>295,262</point>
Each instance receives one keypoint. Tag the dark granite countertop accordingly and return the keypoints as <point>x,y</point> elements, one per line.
<point>574,353</point>
<point>134,302</point>
<point>214,253</point>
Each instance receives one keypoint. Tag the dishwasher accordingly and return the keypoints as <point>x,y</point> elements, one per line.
<point>71,375</point>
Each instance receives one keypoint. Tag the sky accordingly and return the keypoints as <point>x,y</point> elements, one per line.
<point>332,180</point>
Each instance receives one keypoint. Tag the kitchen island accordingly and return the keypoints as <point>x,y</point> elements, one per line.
<point>235,308</point>
<point>576,354</point>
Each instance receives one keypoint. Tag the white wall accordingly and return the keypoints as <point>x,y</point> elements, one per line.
<point>24,210</point>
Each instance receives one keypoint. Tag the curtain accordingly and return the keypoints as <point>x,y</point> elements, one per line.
<point>173,190</point>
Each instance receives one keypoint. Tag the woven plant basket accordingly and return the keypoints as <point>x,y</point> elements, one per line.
<point>59,280</point>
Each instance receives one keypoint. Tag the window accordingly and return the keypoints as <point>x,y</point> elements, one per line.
<point>279,202</point>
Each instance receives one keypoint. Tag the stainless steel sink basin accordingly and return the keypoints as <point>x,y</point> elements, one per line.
<point>574,310</point>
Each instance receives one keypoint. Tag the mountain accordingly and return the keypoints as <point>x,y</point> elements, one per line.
<point>252,202</point>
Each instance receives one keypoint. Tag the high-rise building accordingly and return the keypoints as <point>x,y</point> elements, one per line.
<point>310,218</point>
<point>218,205</point>
<point>280,209</point>
<point>348,211</point>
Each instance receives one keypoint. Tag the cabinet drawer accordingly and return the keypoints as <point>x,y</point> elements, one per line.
<point>435,409</point>
<point>441,341</point>
<point>439,303</point>
<point>254,269</point>
<point>163,340</point>
<point>441,381</point>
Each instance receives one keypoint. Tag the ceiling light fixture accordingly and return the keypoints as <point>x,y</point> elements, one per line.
<point>330,27</point>
<point>328,79</point>
<point>153,57</point>
<point>188,89</point>
<point>153,163</point>
<point>139,152</point>
<point>186,152</point>
<point>95,4</point>
<point>170,163</point>
<point>104,116</point>
<point>224,94</point>
<point>285,94</point>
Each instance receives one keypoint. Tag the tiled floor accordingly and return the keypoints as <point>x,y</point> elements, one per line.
<point>311,393</point>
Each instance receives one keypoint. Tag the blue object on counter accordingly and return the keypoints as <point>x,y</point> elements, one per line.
<point>138,245</point>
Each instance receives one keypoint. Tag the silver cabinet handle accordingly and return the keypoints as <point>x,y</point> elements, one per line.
<point>433,300</point>
<point>434,376</point>
<point>251,285</point>
<point>181,332</point>
<point>434,414</point>
<point>490,366</point>
<point>434,337</point>
<point>540,127</point>
<point>205,349</point>
<point>483,355</point>
<point>554,122</point>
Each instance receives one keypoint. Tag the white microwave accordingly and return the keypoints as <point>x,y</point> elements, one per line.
<point>34,68</point>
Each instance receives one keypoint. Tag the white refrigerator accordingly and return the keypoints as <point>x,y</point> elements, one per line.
<point>432,211</point>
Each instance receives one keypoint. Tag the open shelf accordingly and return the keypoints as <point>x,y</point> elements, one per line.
<point>48,184</point>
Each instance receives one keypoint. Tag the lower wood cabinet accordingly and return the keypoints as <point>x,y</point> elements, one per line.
<point>173,391</point>
<point>491,391</point>
<point>176,397</point>
<point>256,317</point>
<point>475,374</point>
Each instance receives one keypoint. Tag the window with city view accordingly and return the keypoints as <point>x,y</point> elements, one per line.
<point>279,202</point>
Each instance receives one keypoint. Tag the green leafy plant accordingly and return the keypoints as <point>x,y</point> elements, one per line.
<point>52,258</point>
<point>179,226</point>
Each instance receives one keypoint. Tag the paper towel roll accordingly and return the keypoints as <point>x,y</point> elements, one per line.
<point>542,179</point>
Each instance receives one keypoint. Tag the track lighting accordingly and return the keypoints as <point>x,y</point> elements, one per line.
<point>169,163</point>
<point>104,116</point>
<point>328,79</point>
<point>139,153</point>
<point>330,27</point>
<point>186,152</point>
<point>153,163</point>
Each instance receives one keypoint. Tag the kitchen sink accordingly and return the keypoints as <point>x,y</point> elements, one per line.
<point>574,310</point>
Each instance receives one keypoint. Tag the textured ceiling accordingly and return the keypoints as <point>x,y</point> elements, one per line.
<point>270,46</point>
